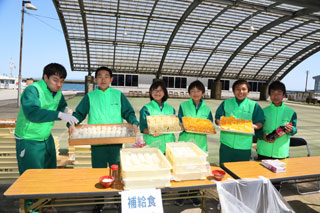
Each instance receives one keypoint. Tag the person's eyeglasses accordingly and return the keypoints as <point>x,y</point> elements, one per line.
<point>157,91</point>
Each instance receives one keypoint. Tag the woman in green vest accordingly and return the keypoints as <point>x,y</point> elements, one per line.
<point>195,107</point>
<point>237,146</point>
<point>276,114</point>
<point>158,106</point>
<point>105,105</point>
<point>42,103</point>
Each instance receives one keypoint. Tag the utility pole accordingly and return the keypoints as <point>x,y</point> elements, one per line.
<point>306,89</point>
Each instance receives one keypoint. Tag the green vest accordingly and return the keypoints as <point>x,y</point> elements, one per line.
<point>161,140</point>
<point>28,130</point>
<point>189,110</point>
<point>244,111</point>
<point>105,107</point>
<point>275,117</point>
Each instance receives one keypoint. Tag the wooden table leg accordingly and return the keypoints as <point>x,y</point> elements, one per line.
<point>22,205</point>
<point>203,201</point>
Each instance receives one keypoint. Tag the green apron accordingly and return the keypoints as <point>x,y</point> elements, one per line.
<point>26,129</point>
<point>161,140</point>
<point>36,149</point>
<point>189,110</point>
<point>275,117</point>
<point>105,108</point>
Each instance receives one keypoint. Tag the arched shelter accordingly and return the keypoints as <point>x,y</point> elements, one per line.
<point>251,39</point>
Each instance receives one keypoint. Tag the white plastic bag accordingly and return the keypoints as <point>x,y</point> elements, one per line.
<point>250,195</point>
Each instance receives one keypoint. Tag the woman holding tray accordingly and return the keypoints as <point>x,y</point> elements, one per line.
<point>158,106</point>
<point>195,107</point>
<point>237,146</point>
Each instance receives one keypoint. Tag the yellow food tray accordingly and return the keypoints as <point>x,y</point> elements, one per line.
<point>232,124</point>
<point>198,125</point>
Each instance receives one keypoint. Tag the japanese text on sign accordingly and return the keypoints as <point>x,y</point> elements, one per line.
<point>146,200</point>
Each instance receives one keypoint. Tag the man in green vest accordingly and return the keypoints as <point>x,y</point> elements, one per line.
<point>276,114</point>
<point>237,146</point>
<point>195,107</point>
<point>41,104</point>
<point>105,105</point>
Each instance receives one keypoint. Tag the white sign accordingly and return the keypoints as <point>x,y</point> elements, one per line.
<point>143,200</point>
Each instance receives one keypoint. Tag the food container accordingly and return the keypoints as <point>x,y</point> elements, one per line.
<point>163,124</point>
<point>180,168</point>
<point>144,163</point>
<point>198,125</point>
<point>144,168</point>
<point>188,161</point>
<point>218,174</point>
<point>95,134</point>
<point>106,181</point>
<point>142,183</point>
<point>193,175</point>
<point>185,153</point>
<point>232,124</point>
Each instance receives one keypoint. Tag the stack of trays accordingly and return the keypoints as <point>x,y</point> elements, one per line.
<point>82,157</point>
<point>8,160</point>
<point>144,168</point>
<point>188,161</point>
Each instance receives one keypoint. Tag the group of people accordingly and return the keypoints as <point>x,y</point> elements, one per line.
<point>42,103</point>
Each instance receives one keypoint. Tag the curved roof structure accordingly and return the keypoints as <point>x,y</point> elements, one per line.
<point>251,39</point>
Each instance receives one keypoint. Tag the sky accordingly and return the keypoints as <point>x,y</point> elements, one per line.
<point>44,43</point>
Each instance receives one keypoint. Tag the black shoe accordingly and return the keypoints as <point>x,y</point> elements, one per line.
<point>179,202</point>
<point>196,202</point>
<point>97,208</point>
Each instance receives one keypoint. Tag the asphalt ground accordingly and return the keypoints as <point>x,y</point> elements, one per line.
<point>308,128</point>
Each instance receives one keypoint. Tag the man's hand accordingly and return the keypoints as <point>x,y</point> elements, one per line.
<point>288,128</point>
<point>71,129</point>
<point>135,128</point>
<point>217,122</point>
<point>68,118</point>
<point>265,138</point>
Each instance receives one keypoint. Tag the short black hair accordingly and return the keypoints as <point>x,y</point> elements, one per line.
<point>54,69</point>
<point>155,85</point>
<point>103,68</point>
<point>277,85</point>
<point>197,84</point>
<point>240,81</point>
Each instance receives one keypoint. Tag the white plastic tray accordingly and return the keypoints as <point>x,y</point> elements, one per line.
<point>142,168</point>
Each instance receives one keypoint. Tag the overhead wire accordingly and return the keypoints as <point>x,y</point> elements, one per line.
<point>37,17</point>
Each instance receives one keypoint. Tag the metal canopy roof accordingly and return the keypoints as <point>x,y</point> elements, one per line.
<point>251,39</point>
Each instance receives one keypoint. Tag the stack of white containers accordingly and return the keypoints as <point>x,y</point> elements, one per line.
<point>144,168</point>
<point>188,161</point>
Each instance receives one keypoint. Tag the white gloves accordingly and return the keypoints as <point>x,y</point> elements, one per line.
<point>68,118</point>
<point>68,111</point>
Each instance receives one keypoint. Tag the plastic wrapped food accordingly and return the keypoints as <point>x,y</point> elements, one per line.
<point>233,124</point>
<point>163,124</point>
<point>198,125</point>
